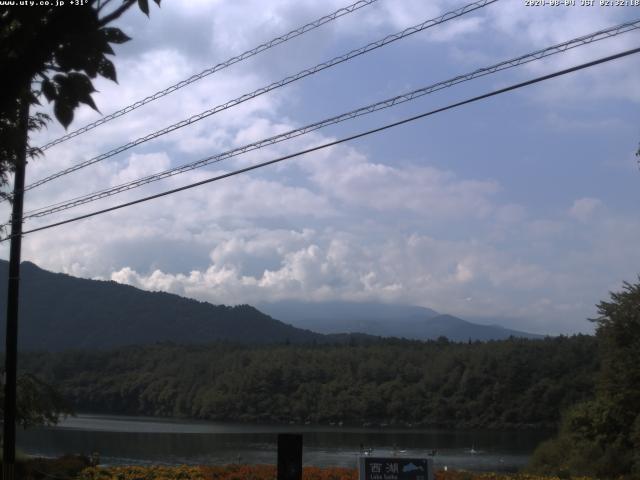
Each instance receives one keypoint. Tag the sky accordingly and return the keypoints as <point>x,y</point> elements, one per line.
<point>519,210</point>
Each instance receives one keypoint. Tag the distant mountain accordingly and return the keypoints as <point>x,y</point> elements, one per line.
<point>457,329</point>
<point>58,312</point>
<point>384,320</point>
<point>353,311</point>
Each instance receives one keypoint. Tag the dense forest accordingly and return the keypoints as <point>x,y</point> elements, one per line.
<point>600,437</point>
<point>514,383</point>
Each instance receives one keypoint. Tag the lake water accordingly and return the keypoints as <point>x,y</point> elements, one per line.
<point>144,440</point>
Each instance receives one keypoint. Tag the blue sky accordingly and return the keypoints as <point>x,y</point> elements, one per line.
<point>521,209</point>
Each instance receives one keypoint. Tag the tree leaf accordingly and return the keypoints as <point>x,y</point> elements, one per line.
<point>88,100</point>
<point>59,78</point>
<point>80,88</point>
<point>92,64</point>
<point>144,6</point>
<point>99,44</point>
<point>106,48</point>
<point>71,57</point>
<point>114,35</point>
<point>63,112</point>
<point>107,69</point>
<point>49,90</point>
<point>80,82</point>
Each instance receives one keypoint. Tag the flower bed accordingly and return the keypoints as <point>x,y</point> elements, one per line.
<point>268,472</point>
<point>227,472</point>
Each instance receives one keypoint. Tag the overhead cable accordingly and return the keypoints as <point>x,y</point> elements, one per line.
<point>336,142</point>
<point>383,104</point>
<point>285,81</point>
<point>216,68</point>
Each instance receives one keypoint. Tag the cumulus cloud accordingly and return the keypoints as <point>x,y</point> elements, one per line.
<point>467,277</point>
<point>389,221</point>
<point>424,190</point>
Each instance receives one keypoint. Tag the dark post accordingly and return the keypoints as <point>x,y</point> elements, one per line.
<point>11,347</point>
<point>289,456</point>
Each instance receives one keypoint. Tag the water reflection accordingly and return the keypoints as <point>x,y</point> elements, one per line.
<point>139,440</point>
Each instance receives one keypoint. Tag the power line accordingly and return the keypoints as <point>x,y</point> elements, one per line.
<point>520,60</point>
<point>290,79</point>
<point>336,142</point>
<point>211,70</point>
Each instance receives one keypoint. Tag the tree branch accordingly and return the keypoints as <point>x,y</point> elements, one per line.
<point>116,13</point>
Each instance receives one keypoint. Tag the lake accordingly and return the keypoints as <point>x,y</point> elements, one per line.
<point>144,440</point>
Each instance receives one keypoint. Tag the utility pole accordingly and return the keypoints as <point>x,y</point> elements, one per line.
<point>11,346</point>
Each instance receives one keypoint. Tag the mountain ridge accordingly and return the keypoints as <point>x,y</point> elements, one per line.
<point>66,312</point>
<point>59,312</point>
<point>385,320</point>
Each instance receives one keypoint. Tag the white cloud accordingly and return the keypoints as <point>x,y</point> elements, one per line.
<point>141,165</point>
<point>542,27</point>
<point>584,208</point>
<point>347,222</point>
<point>327,265</point>
<point>427,191</point>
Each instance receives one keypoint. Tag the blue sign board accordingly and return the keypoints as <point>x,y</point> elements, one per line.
<point>395,468</point>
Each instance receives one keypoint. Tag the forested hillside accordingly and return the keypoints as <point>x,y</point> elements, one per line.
<point>512,383</point>
<point>59,312</point>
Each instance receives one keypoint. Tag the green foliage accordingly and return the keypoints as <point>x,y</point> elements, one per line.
<point>602,436</point>
<point>37,402</point>
<point>513,383</point>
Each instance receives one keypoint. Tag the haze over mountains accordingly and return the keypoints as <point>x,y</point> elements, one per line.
<point>59,312</point>
<point>384,320</point>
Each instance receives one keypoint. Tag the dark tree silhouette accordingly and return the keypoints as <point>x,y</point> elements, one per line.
<point>52,53</point>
